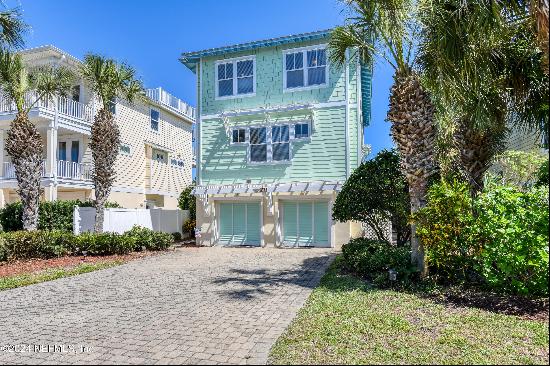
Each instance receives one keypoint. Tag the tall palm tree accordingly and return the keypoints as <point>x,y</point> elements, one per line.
<point>108,80</point>
<point>387,29</point>
<point>482,63</point>
<point>26,87</point>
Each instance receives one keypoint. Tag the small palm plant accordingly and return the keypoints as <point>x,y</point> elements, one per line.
<point>26,88</point>
<point>387,29</point>
<point>108,80</point>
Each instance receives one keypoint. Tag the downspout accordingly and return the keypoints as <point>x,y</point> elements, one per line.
<point>199,126</point>
<point>346,79</point>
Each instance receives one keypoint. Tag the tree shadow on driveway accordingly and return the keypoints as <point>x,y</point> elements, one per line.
<point>248,284</point>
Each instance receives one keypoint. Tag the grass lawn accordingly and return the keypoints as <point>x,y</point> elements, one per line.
<point>346,322</point>
<point>26,279</point>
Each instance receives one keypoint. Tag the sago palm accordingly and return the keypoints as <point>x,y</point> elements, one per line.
<point>481,61</point>
<point>387,29</point>
<point>108,80</point>
<point>26,87</point>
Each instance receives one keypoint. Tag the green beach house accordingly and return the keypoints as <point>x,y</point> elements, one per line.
<point>279,129</point>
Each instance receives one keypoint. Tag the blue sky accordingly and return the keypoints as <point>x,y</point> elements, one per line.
<point>150,35</point>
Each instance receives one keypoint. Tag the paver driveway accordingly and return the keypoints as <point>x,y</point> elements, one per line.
<point>193,305</point>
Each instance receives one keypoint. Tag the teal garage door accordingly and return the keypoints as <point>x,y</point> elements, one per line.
<point>305,223</point>
<point>240,223</point>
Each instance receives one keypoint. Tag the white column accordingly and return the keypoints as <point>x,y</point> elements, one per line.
<point>51,152</point>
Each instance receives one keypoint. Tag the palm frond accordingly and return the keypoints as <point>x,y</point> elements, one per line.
<point>12,29</point>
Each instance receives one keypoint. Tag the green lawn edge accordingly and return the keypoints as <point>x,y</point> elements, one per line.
<point>26,279</point>
<point>345,321</point>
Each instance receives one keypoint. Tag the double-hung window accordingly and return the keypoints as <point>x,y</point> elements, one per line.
<point>280,143</point>
<point>301,130</point>
<point>155,116</point>
<point>238,136</point>
<point>235,78</point>
<point>258,144</point>
<point>125,149</point>
<point>160,156</point>
<point>305,68</point>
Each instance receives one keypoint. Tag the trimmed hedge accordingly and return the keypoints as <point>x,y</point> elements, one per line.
<point>55,215</point>
<point>50,244</point>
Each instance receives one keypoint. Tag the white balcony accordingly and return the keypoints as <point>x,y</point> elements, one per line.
<point>66,170</point>
<point>160,96</point>
<point>74,115</point>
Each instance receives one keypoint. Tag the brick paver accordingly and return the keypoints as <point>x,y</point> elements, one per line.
<point>190,306</point>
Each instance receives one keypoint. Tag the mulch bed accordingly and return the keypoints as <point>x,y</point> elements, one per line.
<point>521,306</point>
<point>37,265</point>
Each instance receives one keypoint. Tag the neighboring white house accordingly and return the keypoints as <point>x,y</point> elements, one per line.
<point>155,158</point>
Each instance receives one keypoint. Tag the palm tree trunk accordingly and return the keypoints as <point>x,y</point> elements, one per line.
<point>539,10</point>
<point>104,144</point>
<point>24,146</point>
<point>411,113</point>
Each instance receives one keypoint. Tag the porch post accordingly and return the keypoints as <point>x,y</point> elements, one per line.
<point>2,152</point>
<point>51,149</point>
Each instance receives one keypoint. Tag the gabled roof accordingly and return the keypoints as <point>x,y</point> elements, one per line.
<point>190,59</point>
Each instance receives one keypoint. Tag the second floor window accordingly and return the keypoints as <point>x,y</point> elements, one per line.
<point>305,68</point>
<point>280,143</point>
<point>155,116</point>
<point>239,136</point>
<point>234,78</point>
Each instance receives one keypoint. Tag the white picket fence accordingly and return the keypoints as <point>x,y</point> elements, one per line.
<point>120,220</point>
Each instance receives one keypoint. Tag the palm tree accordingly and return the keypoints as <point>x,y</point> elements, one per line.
<point>108,80</point>
<point>12,29</point>
<point>26,88</point>
<point>482,63</point>
<point>387,28</point>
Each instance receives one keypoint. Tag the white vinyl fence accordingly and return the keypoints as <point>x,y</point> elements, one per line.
<point>120,220</point>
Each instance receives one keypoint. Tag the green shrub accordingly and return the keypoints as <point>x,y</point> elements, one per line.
<point>55,215</point>
<point>372,258</point>
<point>37,244</point>
<point>189,227</point>
<point>514,228</point>
<point>188,201</point>
<point>149,239</point>
<point>444,228</point>
<point>542,174</point>
<point>105,243</point>
<point>176,236</point>
<point>500,237</point>
<point>3,250</point>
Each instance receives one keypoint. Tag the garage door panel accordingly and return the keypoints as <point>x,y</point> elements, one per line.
<point>305,223</point>
<point>240,223</point>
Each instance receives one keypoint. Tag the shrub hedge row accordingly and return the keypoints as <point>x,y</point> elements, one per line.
<point>55,243</point>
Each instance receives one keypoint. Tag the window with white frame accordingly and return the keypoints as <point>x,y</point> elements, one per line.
<point>235,77</point>
<point>160,156</point>
<point>176,162</point>
<point>301,130</point>
<point>280,143</point>
<point>238,136</point>
<point>258,144</point>
<point>155,117</point>
<point>305,68</point>
<point>125,149</point>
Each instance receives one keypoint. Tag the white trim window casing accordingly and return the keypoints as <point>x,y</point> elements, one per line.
<point>154,118</point>
<point>159,156</point>
<point>305,68</point>
<point>239,136</point>
<point>235,78</point>
<point>177,163</point>
<point>125,149</point>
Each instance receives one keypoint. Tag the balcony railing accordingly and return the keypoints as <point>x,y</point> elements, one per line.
<point>161,96</point>
<point>64,106</point>
<point>8,171</point>
<point>72,170</point>
<point>65,169</point>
